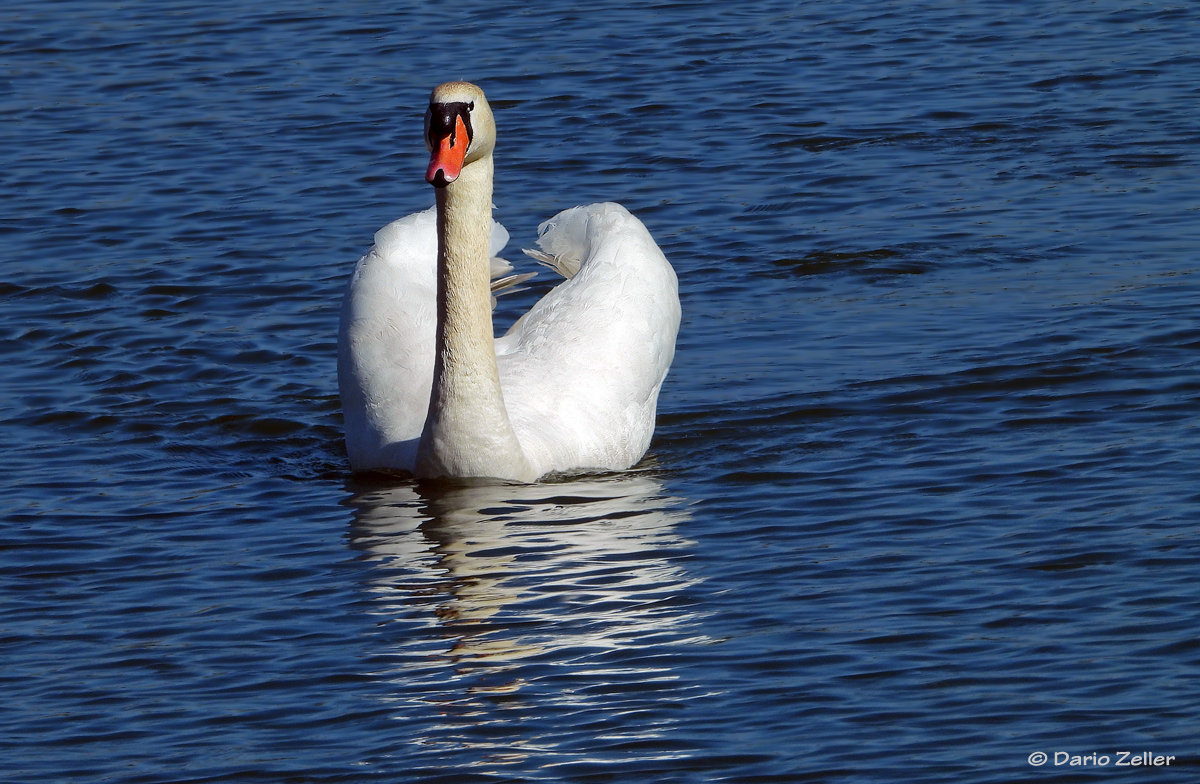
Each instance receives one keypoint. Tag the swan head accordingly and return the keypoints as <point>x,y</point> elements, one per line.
<point>459,130</point>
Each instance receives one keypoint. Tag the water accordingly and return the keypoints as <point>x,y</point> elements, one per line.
<point>923,496</point>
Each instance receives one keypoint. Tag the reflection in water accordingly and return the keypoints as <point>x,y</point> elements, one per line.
<point>556,607</point>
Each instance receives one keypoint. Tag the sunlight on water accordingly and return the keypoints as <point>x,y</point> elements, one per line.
<point>922,497</point>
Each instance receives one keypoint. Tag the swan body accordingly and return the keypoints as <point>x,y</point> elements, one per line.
<point>428,388</point>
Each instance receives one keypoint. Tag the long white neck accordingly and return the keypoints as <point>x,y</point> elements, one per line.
<point>467,432</point>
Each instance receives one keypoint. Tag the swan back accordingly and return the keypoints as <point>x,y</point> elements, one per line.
<point>581,372</point>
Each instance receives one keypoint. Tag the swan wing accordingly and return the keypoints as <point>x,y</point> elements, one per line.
<point>386,341</point>
<point>581,371</point>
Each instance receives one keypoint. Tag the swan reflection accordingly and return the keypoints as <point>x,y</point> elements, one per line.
<point>534,620</point>
<point>517,571</point>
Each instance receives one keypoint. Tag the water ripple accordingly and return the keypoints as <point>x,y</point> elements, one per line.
<point>922,496</point>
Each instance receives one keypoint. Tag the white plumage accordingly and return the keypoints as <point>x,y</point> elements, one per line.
<point>579,374</point>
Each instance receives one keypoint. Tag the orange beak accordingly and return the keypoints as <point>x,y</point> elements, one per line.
<point>446,162</point>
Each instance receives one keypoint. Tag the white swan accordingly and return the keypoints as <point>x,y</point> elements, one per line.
<point>573,385</point>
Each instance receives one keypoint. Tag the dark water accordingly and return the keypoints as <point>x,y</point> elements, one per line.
<point>924,495</point>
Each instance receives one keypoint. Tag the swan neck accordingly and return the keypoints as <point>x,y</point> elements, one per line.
<point>467,431</point>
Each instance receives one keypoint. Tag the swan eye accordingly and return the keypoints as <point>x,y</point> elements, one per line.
<point>441,118</point>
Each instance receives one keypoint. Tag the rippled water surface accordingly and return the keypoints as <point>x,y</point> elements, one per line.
<point>924,494</point>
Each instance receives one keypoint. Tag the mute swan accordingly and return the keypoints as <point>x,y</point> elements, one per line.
<point>573,385</point>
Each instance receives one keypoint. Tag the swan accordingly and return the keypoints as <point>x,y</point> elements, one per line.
<point>426,386</point>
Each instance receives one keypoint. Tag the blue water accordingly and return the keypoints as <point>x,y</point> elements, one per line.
<point>924,493</point>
